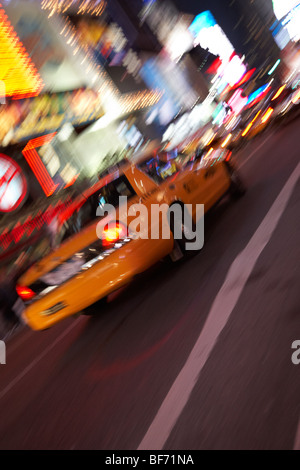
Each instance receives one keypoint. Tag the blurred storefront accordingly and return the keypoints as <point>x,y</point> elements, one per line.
<point>23,119</point>
<point>50,149</point>
<point>32,126</point>
<point>72,55</point>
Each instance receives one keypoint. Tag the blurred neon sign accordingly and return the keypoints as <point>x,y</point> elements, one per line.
<point>17,70</point>
<point>258,94</point>
<point>34,161</point>
<point>237,101</point>
<point>13,185</point>
<point>245,78</point>
<point>28,229</point>
<point>274,67</point>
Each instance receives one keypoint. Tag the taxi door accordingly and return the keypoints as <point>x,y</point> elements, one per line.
<point>204,184</point>
<point>214,181</point>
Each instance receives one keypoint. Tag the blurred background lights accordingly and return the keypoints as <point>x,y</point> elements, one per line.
<point>81,7</point>
<point>274,67</point>
<point>13,185</point>
<point>179,41</point>
<point>208,34</point>
<point>233,71</point>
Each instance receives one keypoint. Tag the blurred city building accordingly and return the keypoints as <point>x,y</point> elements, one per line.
<point>255,20</point>
<point>58,83</point>
<point>244,23</point>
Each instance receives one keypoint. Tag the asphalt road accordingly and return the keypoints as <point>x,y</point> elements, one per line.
<point>192,356</point>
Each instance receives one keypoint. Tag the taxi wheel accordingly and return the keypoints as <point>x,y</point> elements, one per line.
<point>178,225</point>
<point>96,308</point>
<point>237,186</point>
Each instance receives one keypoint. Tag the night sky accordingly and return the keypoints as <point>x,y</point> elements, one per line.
<point>226,16</point>
<point>196,6</point>
<point>219,8</point>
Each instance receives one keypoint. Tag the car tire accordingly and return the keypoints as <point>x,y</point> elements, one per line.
<point>96,308</point>
<point>179,251</point>
<point>237,187</point>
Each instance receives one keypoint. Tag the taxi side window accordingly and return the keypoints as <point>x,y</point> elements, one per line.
<point>109,194</point>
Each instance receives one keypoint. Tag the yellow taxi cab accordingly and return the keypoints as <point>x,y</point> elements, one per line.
<point>89,266</point>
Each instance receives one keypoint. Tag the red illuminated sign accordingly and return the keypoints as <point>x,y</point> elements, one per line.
<point>36,164</point>
<point>13,185</point>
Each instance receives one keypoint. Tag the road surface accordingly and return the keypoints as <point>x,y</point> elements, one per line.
<point>191,356</point>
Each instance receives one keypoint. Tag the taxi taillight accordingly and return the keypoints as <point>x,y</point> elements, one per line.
<point>25,292</point>
<point>113,232</point>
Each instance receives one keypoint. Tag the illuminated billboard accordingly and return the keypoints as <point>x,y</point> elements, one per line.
<point>46,47</point>
<point>288,13</point>
<point>208,34</point>
<point>281,8</point>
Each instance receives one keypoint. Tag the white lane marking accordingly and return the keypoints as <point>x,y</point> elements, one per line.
<point>37,359</point>
<point>297,438</point>
<point>224,303</point>
<point>256,150</point>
